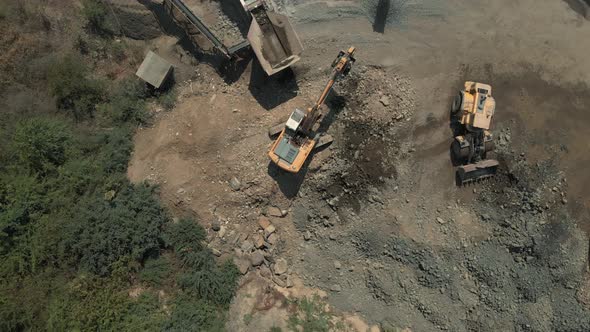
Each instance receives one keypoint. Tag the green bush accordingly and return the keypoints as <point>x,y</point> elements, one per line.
<point>128,103</point>
<point>96,15</point>
<point>41,144</point>
<point>75,92</point>
<point>214,284</point>
<point>22,199</point>
<point>155,271</point>
<point>88,303</point>
<point>117,146</point>
<point>105,232</point>
<point>310,315</point>
<point>185,236</point>
<point>145,314</point>
<point>167,99</point>
<point>196,315</point>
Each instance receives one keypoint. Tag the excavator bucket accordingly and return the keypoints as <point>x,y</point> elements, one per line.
<point>273,40</point>
<point>474,172</point>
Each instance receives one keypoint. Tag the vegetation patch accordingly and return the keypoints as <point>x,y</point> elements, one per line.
<point>82,248</point>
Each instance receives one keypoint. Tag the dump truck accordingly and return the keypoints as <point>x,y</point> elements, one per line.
<point>299,137</point>
<point>472,111</point>
<point>271,36</point>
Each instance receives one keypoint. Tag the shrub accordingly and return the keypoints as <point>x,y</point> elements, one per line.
<point>41,144</point>
<point>144,314</point>
<point>155,271</point>
<point>185,236</point>
<point>310,315</point>
<point>75,92</point>
<point>215,284</point>
<point>191,314</point>
<point>117,146</point>
<point>128,103</point>
<point>167,99</point>
<point>105,232</point>
<point>96,15</point>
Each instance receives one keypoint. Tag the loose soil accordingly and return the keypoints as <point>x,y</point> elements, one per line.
<point>376,220</point>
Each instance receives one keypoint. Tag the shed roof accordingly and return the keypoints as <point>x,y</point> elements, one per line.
<point>154,69</point>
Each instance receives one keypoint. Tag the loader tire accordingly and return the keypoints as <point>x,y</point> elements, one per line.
<point>460,155</point>
<point>490,146</point>
<point>457,103</point>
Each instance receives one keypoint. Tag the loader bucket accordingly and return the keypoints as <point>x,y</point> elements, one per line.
<point>474,172</point>
<point>274,41</point>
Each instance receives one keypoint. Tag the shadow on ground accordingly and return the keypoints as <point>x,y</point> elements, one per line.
<point>272,91</point>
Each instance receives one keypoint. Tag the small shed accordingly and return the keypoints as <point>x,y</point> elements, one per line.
<point>154,69</point>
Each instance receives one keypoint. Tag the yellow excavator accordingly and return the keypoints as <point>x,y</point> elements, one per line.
<point>472,111</point>
<point>299,137</point>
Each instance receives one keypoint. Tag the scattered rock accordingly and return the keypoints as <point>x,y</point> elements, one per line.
<point>280,281</point>
<point>263,222</point>
<point>180,191</point>
<point>307,236</point>
<point>280,266</point>
<point>216,225</point>
<point>247,246</point>
<point>384,100</point>
<point>440,220</point>
<point>274,212</point>
<point>257,258</point>
<point>377,199</point>
<point>259,242</point>
<point>332,237</point>
<point>273,239</point>
<point>222,231</point>
<point>333,202</point>
<point>337,265</point>
<point>336,288</point>
<point>235,184</point>
<point>242,264</point>
<point>216,252</point>
<point>265,272</point>
<point>269,230</point>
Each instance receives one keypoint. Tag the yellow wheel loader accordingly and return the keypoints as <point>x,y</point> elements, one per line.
<point>472,112</point>
<point>298,137</point>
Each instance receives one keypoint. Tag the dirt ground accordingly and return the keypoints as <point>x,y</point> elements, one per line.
<point>375,220</point>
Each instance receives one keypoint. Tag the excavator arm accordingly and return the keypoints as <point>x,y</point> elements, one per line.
<point>341,65</point>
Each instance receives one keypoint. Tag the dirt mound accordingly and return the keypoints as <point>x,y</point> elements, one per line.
<point>134,20</point>
<point>512,259</point>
